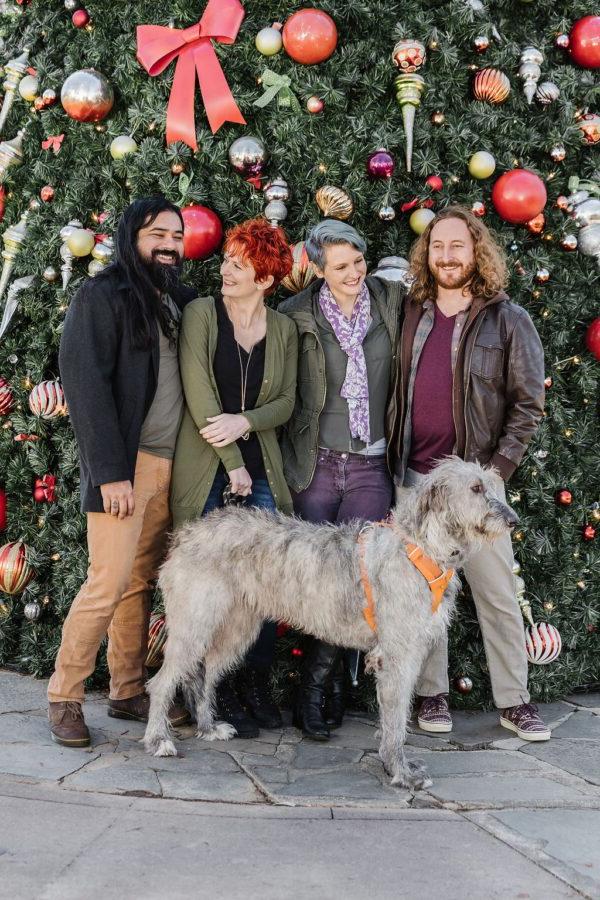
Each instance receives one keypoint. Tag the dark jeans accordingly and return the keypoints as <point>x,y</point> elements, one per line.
<point>346,486</point>
<point>260,655</point>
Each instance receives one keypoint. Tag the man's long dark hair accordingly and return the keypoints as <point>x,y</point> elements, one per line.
<point>145,306</point>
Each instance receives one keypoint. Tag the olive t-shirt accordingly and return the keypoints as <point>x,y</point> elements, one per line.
<point>160,427</point>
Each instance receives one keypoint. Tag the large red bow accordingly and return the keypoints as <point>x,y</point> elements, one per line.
<point>157,47</point>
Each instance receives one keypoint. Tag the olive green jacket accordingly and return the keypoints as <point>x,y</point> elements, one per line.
<point>300,438</point>
<point>196,462</point>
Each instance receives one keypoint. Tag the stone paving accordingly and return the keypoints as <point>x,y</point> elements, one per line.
<point>540,800</point>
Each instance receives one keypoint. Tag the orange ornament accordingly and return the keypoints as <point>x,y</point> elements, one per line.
<point>536,225</point>
<point>491,86</point>
<point>310,36</point>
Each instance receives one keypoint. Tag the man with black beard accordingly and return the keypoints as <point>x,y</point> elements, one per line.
<point>119,368</point>
<point>471,382</point>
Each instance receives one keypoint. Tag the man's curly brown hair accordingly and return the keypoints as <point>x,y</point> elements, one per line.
<point>491,273</point>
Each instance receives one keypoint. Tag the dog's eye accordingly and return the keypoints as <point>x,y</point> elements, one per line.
<point>476,488</point>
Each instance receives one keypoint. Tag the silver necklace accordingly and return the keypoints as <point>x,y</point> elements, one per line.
<point>244,381</point>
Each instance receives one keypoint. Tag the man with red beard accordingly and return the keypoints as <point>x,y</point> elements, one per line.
<point>470,382</point>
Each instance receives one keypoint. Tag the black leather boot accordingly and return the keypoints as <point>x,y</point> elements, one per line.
<point>309,714</point>
<point>256,693</point>
<point>334,703</point>
<point>229,709</point>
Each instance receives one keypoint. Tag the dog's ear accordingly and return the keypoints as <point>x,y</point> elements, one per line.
<point>432,498</point>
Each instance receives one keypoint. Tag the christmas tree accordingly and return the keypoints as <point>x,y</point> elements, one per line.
<point>322,111</point>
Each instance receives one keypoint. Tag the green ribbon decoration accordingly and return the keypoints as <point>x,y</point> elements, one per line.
<point>277,86</point>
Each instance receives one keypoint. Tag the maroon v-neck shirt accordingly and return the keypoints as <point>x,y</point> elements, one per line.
<point>433,434</point>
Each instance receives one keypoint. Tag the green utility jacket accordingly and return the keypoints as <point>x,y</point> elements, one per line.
<point>196,461</point>
<point>300,437</point>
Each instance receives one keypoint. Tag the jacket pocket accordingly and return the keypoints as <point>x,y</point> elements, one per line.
<point>487,362</point>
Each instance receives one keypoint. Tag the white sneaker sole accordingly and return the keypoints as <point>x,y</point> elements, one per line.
<point>526,735</point>
<point>435,727</point>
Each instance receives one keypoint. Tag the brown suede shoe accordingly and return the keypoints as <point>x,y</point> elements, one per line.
<point>137,708</point>
<point>67,725</point>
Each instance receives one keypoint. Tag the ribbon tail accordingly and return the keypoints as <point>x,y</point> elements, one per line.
<point>268,95</point>
<point>218,100</point>
<point>181,125</point>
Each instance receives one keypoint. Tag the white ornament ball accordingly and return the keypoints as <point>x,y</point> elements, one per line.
<point>122,145</point>
<point>268,41</point>
<point>28,88</point>
<point>420,219</point>
<point>543,643</point>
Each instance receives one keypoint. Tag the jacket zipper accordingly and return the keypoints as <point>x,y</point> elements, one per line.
<point>467,369</point>
<point>316,447</point>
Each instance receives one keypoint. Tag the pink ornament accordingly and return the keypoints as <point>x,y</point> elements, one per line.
<point>434,182</point>
<point>381,164</point>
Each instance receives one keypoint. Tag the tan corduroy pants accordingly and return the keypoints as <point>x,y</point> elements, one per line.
<point>124,556</point>
<point>490,576</point>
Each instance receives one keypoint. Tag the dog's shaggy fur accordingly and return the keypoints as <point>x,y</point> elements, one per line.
<point>234,568</point>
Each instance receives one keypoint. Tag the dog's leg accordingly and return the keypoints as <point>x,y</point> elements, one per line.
<point>158,736</point>
<point>228,647</point>
<point>395,683</point>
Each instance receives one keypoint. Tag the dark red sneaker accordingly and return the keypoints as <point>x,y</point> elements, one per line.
<point>434,714</point>
<point>526,722</point>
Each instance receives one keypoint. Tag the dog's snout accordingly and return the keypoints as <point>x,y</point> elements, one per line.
<point>510,516</point>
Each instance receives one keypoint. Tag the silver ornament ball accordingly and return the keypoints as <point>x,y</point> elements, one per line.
<point>32,611</point>
<point>71,5</point>
<point>387,213</point>
<point>276,212</point>
<point>248,156</point>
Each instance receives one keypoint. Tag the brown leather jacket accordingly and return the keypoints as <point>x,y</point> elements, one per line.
<point>498,392</point>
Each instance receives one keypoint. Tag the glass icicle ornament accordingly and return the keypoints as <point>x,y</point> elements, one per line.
<point>65,254</point>
<point>13,238</point>
<point>530,71</point>
<point>409,56</point>
<point>14,71</point>
<point>11,154</point>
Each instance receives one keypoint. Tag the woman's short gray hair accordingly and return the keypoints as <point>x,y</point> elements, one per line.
<point>327,232</point>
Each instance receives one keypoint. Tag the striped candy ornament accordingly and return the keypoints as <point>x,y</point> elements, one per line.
<point>15,571</point>
<point>47,400</point>
<point>542,642</point>
<point>157,636</point>
<point>6,397</point>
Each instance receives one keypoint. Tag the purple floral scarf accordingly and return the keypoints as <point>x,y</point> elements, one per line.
<point>350,335</point>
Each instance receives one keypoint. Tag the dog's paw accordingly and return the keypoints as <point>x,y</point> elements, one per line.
<point>374,661</point>
<point>411,779</point>
<point>220,731</point>
<point>166,748</point>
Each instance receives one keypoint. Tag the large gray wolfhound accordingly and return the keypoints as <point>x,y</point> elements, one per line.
<point>234,568</point>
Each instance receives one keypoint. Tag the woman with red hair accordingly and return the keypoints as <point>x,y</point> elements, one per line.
<point>238,362</point>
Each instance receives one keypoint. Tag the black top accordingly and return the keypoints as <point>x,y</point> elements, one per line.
<point>109,386</point>
<point>226,366</point>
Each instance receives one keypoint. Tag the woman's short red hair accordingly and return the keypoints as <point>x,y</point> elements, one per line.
<point>265,248</point>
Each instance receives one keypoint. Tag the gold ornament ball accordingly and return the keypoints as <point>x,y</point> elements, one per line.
<point>542,276</point>
<point>334,202</point>
<point>268,41</point>
<point>482,164</point>
<point>80,242</point>
<point>28,88</point>
<point>438,117</point>
<point>177,168</point>
<point>420,219</point>
<point>50,274</point>
<point>122,145</point>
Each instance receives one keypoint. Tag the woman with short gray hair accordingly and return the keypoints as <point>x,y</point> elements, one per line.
<point>335,445</point>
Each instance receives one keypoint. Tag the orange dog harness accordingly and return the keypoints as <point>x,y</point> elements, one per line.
<point>437,580</point>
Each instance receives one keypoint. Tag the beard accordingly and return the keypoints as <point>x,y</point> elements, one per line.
<point>164,276</point>
<point>454,278</point>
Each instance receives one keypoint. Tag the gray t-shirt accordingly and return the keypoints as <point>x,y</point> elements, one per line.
<point>159,431</point>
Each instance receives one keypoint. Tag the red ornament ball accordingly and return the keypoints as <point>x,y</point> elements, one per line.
<point>518,196</point>
<point>203,232</point>
<point>584,42</point>
<point>314,105</point>
<point>381,164</point>
<point>47,193</point>
<point>80,18</point>
<point>6,397</point>
<point>588,532</point>
<point>296,651</point>
<point>592,338</point>
<point>434,182</point>
<point>3,516</point>
<point>310,36</point>
<point>563,497</point>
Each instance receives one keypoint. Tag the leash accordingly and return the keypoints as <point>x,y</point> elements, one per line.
<point>437,580</point>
